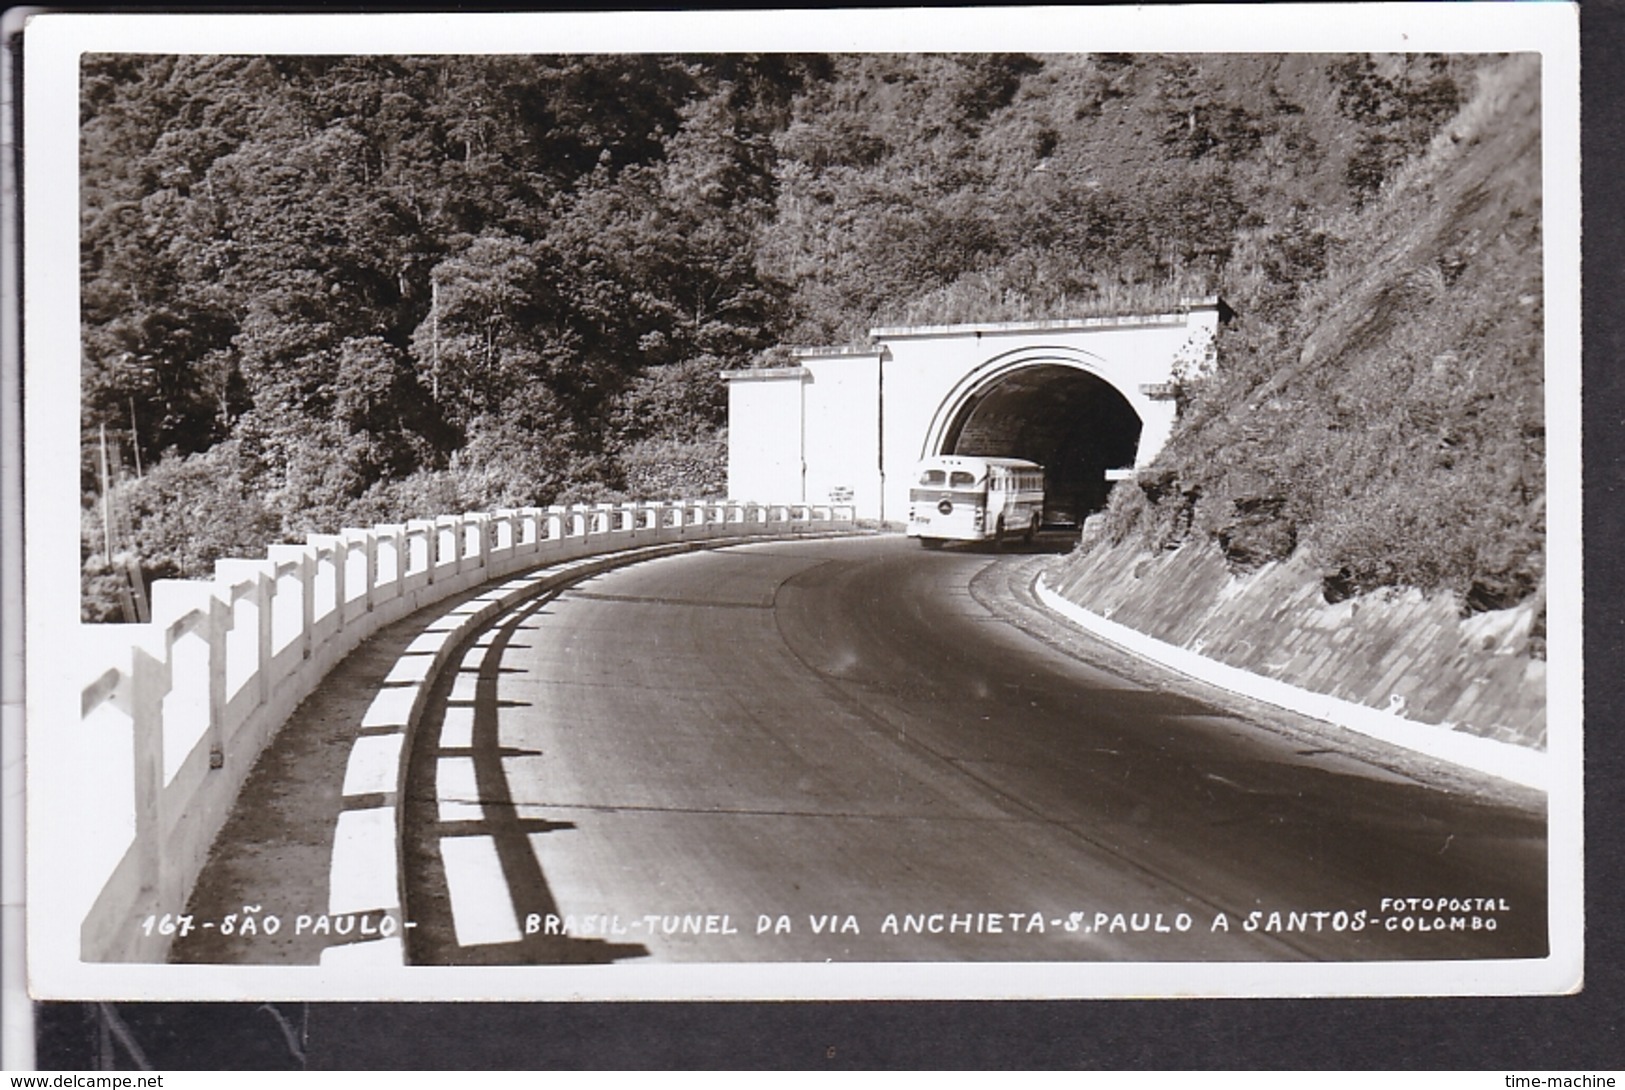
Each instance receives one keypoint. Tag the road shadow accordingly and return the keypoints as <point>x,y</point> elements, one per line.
<point>1050,542</point>
<point>432,935</point>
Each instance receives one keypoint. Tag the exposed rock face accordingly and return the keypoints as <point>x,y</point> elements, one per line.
<point>1405,652</point>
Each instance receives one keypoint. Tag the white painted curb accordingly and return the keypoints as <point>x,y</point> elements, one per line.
<point>365,868</point>
<point>1519,764</point>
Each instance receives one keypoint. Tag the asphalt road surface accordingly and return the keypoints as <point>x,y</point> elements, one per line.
<point>857,750</point>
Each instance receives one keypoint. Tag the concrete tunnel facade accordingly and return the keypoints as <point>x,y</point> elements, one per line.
<point>1089,399</point>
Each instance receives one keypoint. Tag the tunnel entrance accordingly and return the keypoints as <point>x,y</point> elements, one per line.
<point>1069,421</point>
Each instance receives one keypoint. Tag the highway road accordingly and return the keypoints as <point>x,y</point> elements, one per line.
<point>857,750</point>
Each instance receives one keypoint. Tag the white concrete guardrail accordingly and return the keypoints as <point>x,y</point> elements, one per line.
<point>175,712</point>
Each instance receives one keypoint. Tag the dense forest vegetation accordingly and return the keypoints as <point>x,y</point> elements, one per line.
<point>330,291</point>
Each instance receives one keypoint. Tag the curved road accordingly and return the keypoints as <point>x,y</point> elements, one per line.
<point>833,750</point>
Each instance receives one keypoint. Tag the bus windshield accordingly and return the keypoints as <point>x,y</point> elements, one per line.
<point>937,478</point>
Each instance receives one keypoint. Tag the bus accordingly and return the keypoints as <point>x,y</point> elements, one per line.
<point>962,498</point>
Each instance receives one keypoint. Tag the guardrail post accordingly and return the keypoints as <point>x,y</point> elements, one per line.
<point>431,548</point>
<point>260,577</point>
<point>447,539</point>
<point>299,556</point>
<point>370,543</point>
<point>340,544</point>
<point>475,530</point>
<point>220,622</point>
<point>265,604</point>
<point>308,574</point>
<point>524,532</point>
<point>383,539</point>
<point>328,550</point>
<point>419,542</point>
<point>527,530</point>
<point>507,529</point>
<point>149,684</point>
<point>341,561</point>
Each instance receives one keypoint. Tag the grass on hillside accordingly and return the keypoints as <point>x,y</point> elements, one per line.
<point>1394,427</point>
<point>983,297</point>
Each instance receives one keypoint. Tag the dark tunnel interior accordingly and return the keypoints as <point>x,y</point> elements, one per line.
<point>1073,424</point>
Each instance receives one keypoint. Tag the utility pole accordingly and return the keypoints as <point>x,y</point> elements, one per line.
<point>128,580</point>
<point>107,500</point>
<point>135,439</point>
<point>434,337</point>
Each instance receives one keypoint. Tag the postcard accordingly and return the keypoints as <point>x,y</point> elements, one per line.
<point>972,504</point>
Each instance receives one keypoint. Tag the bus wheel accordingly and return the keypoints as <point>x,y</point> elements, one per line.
<point>931,542</point>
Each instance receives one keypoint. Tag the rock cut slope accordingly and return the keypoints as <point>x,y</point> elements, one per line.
<point>1358,503</point>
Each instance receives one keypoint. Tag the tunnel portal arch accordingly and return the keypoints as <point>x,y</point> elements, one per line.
<point>1054,409</point>
<point>1090,398</point>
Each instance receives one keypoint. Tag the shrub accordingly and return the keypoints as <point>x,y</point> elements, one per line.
<point>185,514</point>
<point>505,464</point>
<point>677,469</point>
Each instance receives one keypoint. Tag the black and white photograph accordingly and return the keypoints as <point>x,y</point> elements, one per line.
<point>1054,504</point>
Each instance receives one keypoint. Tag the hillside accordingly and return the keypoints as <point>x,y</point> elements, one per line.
<point>1390,426</point>
<point>327,291</point>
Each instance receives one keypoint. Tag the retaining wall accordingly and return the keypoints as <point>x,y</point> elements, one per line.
<point>1403,653</point>
<point>175,712</point>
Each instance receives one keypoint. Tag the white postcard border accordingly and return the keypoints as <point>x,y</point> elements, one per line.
<point>53,44</point>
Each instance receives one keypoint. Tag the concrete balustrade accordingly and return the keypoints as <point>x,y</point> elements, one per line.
<point>174,713</point>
